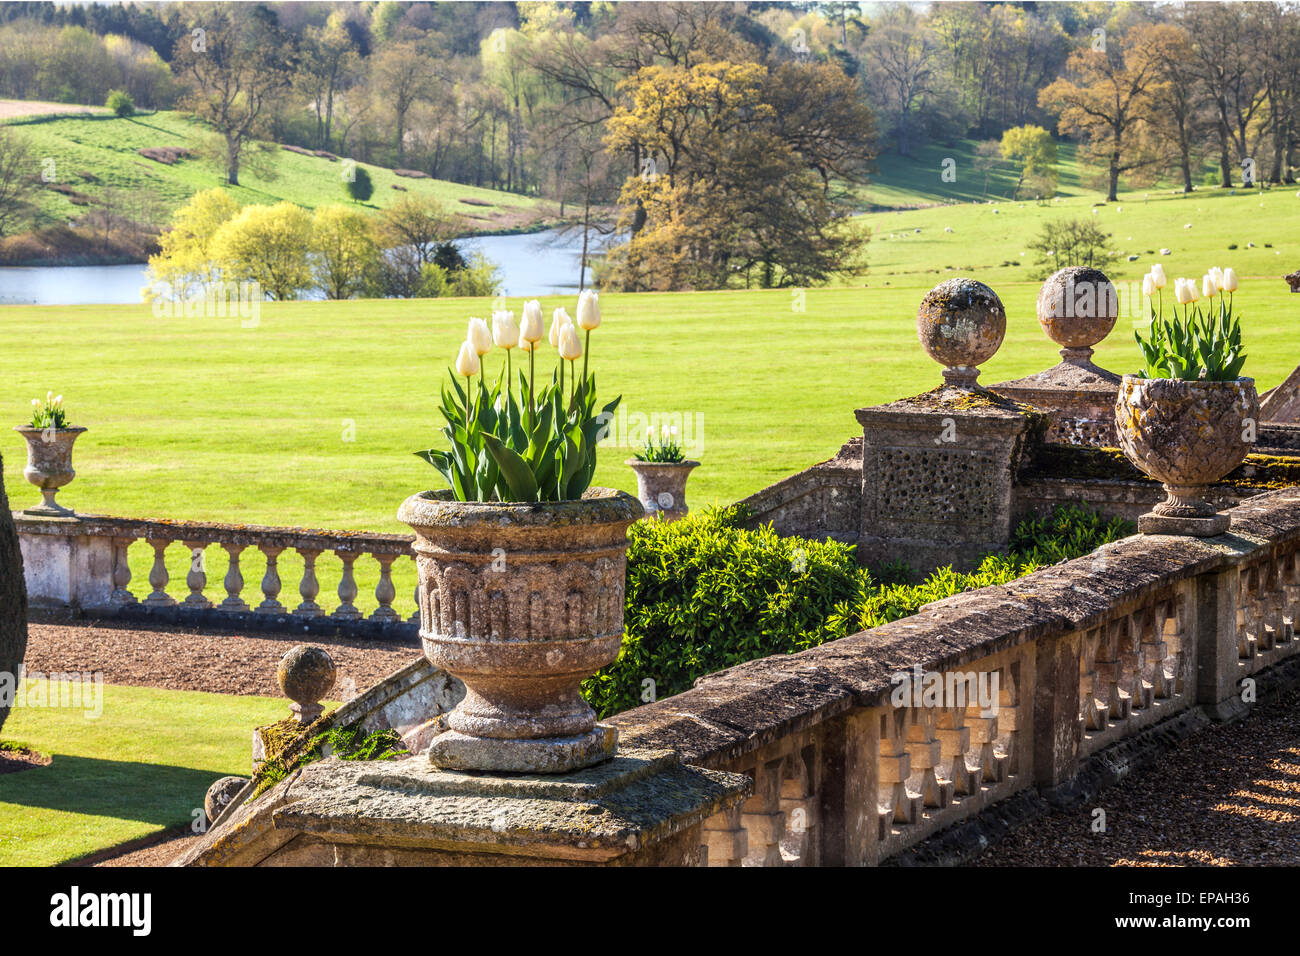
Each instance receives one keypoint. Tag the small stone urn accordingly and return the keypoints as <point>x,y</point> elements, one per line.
<point>1188,435</point>
<point>661,486</point>
<point>961,324</point>
<point>49,465</point>
<point>522,602</point>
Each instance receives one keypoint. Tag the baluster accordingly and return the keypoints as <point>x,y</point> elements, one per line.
<point>925,753</point>
<point>897,804</point>
<point>762,816</point>
<point>197,578</point>
<point>310,587</point>
<point>234,582</point>
<point>121,573</point>
<point>984,735</point>
<point>954,742</point>
<point>799,803</point>
<point>725,840</point>
<point>271,581</point>
<point>347,611</point>
<point>384,590</point>
<point>158,576</point>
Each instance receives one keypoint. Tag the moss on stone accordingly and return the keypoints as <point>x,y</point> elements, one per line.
<point>1110,464</point>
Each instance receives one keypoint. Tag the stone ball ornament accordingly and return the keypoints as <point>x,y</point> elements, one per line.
<point>961,324</point>
<point>1077,308</point>
<point>306,674</point>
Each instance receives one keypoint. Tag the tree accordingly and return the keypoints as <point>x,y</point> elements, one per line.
<point>329,55</point>
<point>120,102</point>
<point>727,197</point>
<point>403,74</point>
<point>268,245</point>
<point>358,184</point>
<point>1177,102</point>
<point>1071,242</point>
<point>1105,98</point>
<point>419,223</point>
<point>345,256</point>
<point>184,262</point>
<point>13,603</point>
<point>16,166</point>
<point>902,57</point>
<point>238,62</point>
<point>1035,150</point>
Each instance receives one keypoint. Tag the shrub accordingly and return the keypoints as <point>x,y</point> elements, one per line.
<point>120,102</point>
<point>1071,242</point>
<point>705,593</point>
<point>359,185</point>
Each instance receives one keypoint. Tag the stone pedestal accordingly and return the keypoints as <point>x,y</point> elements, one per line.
<point>63,568</point>
<point>641,808</point>
<point>1077,396</point>
<point>937,472</point>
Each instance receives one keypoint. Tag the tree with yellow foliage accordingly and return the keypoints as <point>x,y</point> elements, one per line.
<point>268,245</point>
<point>183,267</point>
<point>345,256</point>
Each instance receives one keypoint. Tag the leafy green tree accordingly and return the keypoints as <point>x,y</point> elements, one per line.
<point>15,178</point>
<point>120,102</point>
<point>1071,242</point>
<point>345,256</point>
<point>359,185</point>
<point>268,245</point>
<point>1033,148</point>
<point>184,262</point>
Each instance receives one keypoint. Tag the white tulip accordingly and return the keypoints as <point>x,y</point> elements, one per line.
<point>58,400</point>
<point>530,329</point>
<point>559,319</point>
<point>1218,277</point>
<point>467,363</point>
<point>1229,279</point>
<point>49,396</point>
<point>588,310</point>
<point>1148,285</point>
<point>479,336</point>
<point>504,331</point>
<point>569,348</point>
<point>1158,276</point>
<point>36,402</point>
<point>1181,292</point>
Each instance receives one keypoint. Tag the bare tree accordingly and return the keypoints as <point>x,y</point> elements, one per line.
<point>15,178</point>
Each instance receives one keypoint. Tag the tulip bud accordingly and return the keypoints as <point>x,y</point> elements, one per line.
<point>530,329</point>
<point>1180,291</point>
<point>1208,286</point>
<point>1229,279</point>
<point>1191,291</point>
<point>1158,274</point>
<point>58,400</point>
<point>467,363</point>
<point>1148,285</point>
<point>1217,273</point>
<point>36,402</point>
<point>588,310</point>
<point>570,348</point>
<point>504,331</point>
<point>479,336</point>
<point>559,319</point>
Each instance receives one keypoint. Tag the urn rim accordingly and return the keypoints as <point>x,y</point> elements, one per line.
<point>597,506</point>
<point>37,430</point>
<point>684,463</point>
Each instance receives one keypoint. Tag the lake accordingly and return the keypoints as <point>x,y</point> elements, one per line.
<point>539,263</point>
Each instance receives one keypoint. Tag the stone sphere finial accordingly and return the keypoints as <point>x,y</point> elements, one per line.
<point>961,323</point>
<point>306,674</point>
<point>1077,308</point>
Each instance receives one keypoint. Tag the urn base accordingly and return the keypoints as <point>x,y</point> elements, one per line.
<point>49,508</point>
<point>454,750</point>
<point>1202,527</point>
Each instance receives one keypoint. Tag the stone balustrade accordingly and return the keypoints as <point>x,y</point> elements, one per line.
<point>82,564</point>
<point>1086,654</point>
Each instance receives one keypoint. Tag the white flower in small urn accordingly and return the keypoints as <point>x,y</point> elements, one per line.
<point>49,453</point>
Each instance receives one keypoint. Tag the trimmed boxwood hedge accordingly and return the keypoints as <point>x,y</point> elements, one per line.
<point>707,593</point>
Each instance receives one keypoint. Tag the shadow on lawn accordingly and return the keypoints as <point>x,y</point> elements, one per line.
<point>148,793</point>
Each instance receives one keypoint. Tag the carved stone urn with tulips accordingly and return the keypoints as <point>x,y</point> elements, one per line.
<point>1190,418</point>
<point>49,440</point>
<point>521,562</point>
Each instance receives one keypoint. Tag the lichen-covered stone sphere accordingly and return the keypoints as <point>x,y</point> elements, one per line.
<point>961,323</point>
<point>306,673</point>
<point>1077,307</point>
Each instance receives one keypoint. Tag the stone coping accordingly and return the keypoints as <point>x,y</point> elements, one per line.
<point>1064,377</point>
<point>631,802</point>
<point>740,710</point>
<point>314,539</point>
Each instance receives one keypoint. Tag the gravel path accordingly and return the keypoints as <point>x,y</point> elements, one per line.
<point>225,663</point>
<point>1227,796</point>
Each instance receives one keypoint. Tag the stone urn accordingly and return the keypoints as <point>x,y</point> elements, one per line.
<point>521,602</point>
<point>661,486</point>
<point>1187,435</point>
<point>49,465</point>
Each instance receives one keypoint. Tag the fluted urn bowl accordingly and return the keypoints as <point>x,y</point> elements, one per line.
<point>522,602</point>
<point>1187,435</point>
<point>661,486</point>
<point>49,465</point>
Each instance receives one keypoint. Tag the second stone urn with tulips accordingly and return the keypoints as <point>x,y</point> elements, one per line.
<point>522,562</point>
<point>1189,417</point>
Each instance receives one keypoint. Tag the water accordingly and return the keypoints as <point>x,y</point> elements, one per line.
<point>540,263</point>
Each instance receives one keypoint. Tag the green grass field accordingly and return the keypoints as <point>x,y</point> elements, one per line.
<point>91,154</point>
<point>135,770</point>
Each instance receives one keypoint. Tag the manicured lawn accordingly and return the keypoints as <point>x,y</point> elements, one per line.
<point>141,767</point>
<point>94,154</point>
